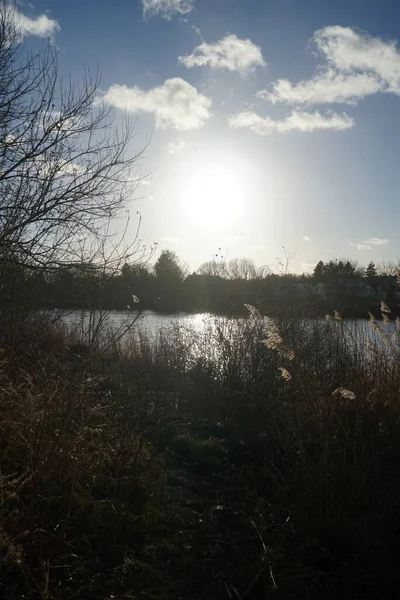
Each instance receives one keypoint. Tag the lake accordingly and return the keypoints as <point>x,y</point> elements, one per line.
<point>146,321</point>
<point>151,323</point>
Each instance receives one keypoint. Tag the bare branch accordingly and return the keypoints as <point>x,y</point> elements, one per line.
<point>65,168</point>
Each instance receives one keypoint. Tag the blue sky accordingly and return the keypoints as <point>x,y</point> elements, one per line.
<point>274,122</point>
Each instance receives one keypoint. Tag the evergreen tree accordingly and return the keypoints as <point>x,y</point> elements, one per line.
<point>319,271</point>
<point>169,275</point>
<point>334,269</point>
<point>370,271</point>
<point>168,269</point>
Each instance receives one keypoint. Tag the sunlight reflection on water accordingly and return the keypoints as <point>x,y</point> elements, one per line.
<point>148,322</point>
<point>153,324</point>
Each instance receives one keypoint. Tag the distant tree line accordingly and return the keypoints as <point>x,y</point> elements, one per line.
<point>339,269</point>
<point>216,286</point>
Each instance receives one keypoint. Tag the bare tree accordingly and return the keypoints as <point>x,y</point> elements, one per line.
<point>236,268</point>
<point>389,268</point>
<point>65,169</point>
<point>284,263</point>
<point>245,268</point>
<point>211,268</point>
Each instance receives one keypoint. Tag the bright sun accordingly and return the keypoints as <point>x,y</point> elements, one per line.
<point>214,194</point>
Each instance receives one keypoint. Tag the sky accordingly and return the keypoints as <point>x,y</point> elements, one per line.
<point>272,123</point>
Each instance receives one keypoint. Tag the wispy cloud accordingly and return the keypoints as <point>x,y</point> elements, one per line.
<point>169,239</point>
<point>40,26</point>
<point>356,65</point>
<point>296,121</point>
<point>375,241</point>
<point>325,88</point>
<point>231,53</point>
<point>371,242</point>
<point>166,8</point>
<point>307,239</point>
<point>175,147</point>
<point>175,104</point>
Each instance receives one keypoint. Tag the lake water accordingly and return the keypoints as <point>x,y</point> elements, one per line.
<point>152,323</point>
<point>148,322</point>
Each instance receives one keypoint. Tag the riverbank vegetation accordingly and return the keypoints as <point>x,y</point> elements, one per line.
<point>257,457</point>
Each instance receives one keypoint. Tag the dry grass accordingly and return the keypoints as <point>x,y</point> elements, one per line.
<point>76,478</point>
<point>199,463</point>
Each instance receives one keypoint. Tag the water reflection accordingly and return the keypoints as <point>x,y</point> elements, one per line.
<point>147,322</point>
<point>359,332</point>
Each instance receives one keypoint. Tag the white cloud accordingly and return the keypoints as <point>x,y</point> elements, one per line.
<point>253,121</point>
<point>307,239</point>
<point>325,88</point>
<point>62,122</point>
<point>175,104</point>
<point>374,241</point>
<point>167,8</point>
<point>49,168</point>
<point>349,50</point>
<point>304,121</point>
<point>40,26</point>
<point>72,168</point>
<point>175,147</point>
<point>169,239</point>
<point>296,121</point>
<point>371,242</point>
<point>357,65</point>
<point>230,53</point>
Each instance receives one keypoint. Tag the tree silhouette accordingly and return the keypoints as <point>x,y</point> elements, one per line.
<point>169,276</point>
<point>334,270</point>
<point>370,271</point>
<point>64,169</point>
<point>168,268</point>
<point>319,271</point>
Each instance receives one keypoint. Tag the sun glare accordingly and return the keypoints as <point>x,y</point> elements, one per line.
<point>214,194</point>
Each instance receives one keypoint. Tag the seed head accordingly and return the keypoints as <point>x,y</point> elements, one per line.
<point>345,393</point>
<point>285,374</point>
<point>253,312</point>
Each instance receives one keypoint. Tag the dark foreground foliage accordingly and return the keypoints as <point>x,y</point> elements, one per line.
<point>188,467</point>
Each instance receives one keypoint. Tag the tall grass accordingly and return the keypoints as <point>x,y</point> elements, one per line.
<point>293,427</point>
